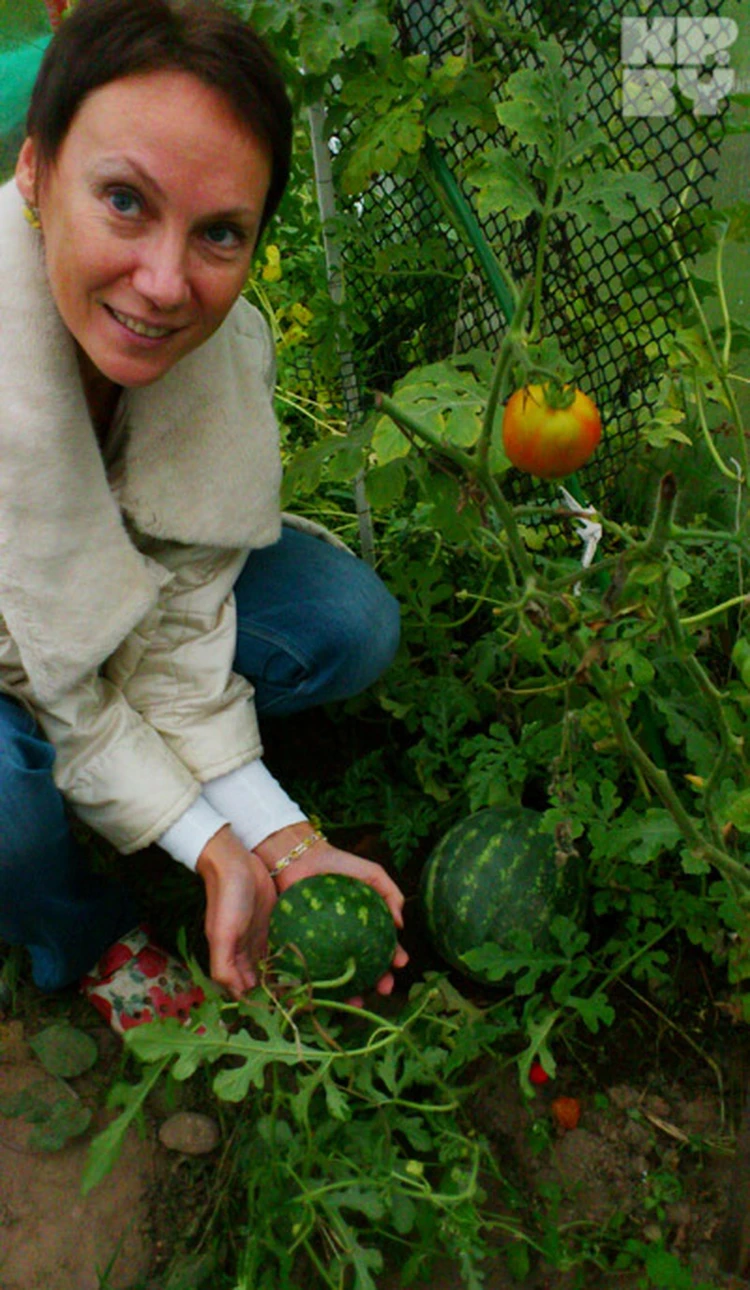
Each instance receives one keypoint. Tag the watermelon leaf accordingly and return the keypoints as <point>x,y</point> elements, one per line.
<point>593,1011</point>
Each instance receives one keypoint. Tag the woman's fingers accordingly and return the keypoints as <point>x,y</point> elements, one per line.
<point>239,898</point>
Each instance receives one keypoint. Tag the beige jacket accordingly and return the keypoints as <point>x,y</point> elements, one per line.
<point>117,623</point>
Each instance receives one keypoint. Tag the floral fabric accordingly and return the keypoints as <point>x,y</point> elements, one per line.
<point>137,981</point>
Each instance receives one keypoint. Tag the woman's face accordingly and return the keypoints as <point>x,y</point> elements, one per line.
<point>149,217</point>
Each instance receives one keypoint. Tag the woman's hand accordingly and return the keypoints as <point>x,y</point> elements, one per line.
<point>240,895</point>
<point>322,857</point>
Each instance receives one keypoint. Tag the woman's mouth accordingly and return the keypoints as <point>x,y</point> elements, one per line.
<point>139,327</point>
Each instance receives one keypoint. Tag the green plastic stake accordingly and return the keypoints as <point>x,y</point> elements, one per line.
<point>468,223</point>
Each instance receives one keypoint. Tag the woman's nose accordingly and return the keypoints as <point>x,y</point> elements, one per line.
<point>161,275</point>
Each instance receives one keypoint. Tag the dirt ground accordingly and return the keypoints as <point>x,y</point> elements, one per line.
<point>650,1160</point>
<point>51,1237</point>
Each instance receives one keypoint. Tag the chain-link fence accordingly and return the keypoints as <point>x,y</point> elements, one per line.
<point>608,298</point>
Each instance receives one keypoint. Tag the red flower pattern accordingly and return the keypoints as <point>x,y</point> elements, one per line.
<point>152,961</point>
<point>137,981</point>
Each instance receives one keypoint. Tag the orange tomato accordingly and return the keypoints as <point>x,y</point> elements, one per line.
<point>547,440</point>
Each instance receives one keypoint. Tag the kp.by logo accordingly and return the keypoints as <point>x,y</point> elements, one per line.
<point>689,54</point>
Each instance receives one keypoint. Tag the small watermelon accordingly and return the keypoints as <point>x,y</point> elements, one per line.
<point>322,924</point>
<point>491,874</point>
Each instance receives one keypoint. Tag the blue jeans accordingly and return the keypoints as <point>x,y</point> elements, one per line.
<point>314,625</point>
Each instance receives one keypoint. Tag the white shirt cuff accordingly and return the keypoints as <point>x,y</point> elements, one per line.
<point>248,798</point>
<point>186,838</point>
<point>253,801</point>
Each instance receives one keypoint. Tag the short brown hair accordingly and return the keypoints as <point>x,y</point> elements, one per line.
<point>104,40</point>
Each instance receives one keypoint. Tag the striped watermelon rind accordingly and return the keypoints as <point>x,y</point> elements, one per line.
<point>323,923</point>
<point>492,874</point>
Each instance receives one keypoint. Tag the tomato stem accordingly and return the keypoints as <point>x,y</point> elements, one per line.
<point>509,348</point>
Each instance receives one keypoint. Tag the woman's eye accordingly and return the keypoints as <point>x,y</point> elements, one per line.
<point>225,237</point>
<point>124,202</point>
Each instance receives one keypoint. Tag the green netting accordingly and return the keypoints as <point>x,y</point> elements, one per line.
<point>618,351</point>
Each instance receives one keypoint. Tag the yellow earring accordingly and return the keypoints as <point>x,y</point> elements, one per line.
<point>31,215</point>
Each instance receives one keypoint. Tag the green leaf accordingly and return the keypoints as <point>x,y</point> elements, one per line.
<point>594,1011</point>
<point>518,1261</point>
<point>105,1149</point>
<point>336,1100</point>
<point>388,442</point>
<point>654,833</point>
<point>504,185</point>
<point>106,1146</point>
<point>360,1258</point>
<point>538,1046</point>
<point>581,142</point>
<point>54,1110</point>
<point>416,1133</point>
<point>360,1199</point>
<point>741,659</point>
<point>167,1041</point>
<point>67,1120</point>
<point>738,216</point>
<point>453,513</point>
<point>605,197</point>
<point>526,123</point>
<point>403,1213</point>
<point>691,863</point>
<point>380,146</point>
<point>271,15</point>
<point>447,398</point>
<point>346,462</point>
<point>385,484</point>
<point>738,811</point>
<point>368,25</point>
<point>64,1051</point>
<point>665,1272</point>
<point>31,1103</point>
<point>320,44</point>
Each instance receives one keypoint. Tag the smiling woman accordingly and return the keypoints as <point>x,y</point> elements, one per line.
<point>151,601</point>
<point>149,234</point>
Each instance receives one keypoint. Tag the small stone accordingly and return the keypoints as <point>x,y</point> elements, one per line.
<point>190,1132</point>
<point>679,1213</point>
<point>637,1136</point>
<point>623,1096</point>
<point>698,1116</point>
<point>657,1106</point>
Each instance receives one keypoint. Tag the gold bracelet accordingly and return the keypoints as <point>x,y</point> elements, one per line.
<point>296,852</point>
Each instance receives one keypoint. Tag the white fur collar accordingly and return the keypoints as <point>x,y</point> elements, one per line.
<point>201,465</point>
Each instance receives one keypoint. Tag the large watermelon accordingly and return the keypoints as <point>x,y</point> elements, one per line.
<point>491,874</point>
<point>323,924</point>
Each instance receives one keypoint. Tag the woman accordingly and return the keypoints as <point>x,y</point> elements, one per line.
<point>147,588</point>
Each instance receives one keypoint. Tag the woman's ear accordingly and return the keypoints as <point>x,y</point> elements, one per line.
<point>26,172</point>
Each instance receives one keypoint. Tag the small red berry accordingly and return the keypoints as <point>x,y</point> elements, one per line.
<point>537,1073</point>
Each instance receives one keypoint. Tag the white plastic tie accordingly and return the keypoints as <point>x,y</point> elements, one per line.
<point>588,529</point>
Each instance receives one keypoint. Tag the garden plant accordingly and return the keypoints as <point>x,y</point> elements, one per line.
<point>611,695</point>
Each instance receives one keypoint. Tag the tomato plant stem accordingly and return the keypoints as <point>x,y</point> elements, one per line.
<point>498,388</point>
<point>470,468</point>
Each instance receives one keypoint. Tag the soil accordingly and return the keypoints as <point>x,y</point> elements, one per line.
<point>51,1237</point>
<point>650,1160</point>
